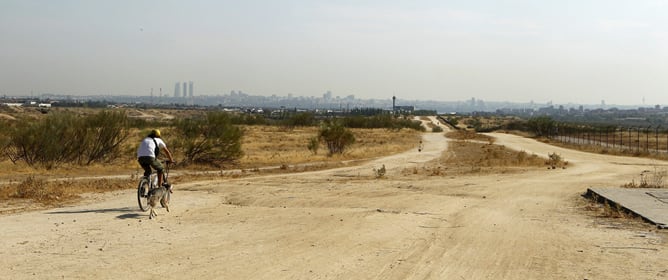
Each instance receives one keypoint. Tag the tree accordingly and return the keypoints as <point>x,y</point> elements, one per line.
<point>541,126</point>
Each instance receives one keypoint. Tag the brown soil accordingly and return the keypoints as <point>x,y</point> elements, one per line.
<point>346,223</point>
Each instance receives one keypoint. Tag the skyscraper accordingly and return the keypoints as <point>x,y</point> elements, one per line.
<point>190,89</point>
<point>185,90</point>
<point>177,89</point>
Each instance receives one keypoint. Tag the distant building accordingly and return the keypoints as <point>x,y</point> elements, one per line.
<point>177,89</point>
<point>185,89</point>
<point>190,89</point>
<point>404,109</point>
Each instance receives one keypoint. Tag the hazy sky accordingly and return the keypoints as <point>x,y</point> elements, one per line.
<point>580,51</point>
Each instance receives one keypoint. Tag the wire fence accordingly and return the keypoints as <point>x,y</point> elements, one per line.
<point>650,139</point>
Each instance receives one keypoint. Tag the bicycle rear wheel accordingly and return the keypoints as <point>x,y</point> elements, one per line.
<point>142,194</point>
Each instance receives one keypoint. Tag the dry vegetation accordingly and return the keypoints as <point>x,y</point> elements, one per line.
<point>480,157</point>
<point>649,179</point>
<point>473,153</point>
<point>464,134</point>
<point>266,149</point>
<point>275,146</point>
<point>607,150</point>
<point>36,193</point>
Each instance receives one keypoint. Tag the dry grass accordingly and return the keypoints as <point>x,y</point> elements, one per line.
<point>555,160</point>
<point>486,121</point>
<point>649,179</point>
<point>275,146</point>
<point>464,134</point>
<point>472,157</point>
<point>475,153</point>
<point>264,146</point>
<point>476,156</point>
<point>59,192</point>
<point>609,150</point>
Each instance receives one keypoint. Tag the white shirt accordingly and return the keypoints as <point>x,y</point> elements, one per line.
<point>147,147</point>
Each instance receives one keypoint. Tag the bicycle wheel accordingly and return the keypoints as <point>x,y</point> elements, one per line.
<point>142,194</point>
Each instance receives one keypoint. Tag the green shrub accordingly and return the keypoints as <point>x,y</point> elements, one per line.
<point>382,121</point>
<point>212,139</point>
<point>314,145</point>
<point>541,126</point>
<point>67,138</point>
<point>336,136</point>
<point>300,119</point>
<point>105,132</point>
<point>249,119</point>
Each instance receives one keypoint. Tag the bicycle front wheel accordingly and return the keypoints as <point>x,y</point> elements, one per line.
<point>142,194</point>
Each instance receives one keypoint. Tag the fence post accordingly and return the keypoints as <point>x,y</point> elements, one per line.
<point>656,134</point>
<point>647,138</point>
<point>638,140</point>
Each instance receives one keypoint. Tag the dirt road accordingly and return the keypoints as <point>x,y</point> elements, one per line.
<point>348,224</point>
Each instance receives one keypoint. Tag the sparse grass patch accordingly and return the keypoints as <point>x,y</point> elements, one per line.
<point>490,155</point>
<point>468,135</point>
<point>271,146</point>
<point>476,157</point>
<point>55,192</point>
<point>380,172</point>
<point>649,179</point>
<point>554,160</point>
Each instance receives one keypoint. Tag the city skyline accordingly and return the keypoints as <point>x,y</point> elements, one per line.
<point>565,52</point>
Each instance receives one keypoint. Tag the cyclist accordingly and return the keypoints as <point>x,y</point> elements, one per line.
<point>148,152</point>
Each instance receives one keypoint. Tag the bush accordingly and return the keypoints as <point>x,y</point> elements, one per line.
<point>65,137</point>
<point>380,172</point>
<point>249,119</point>
<point>105,132</point>
<point>336,136</point>
<point>314,145</point>
<point>649,179</point>
<point>555,160</point>
<point>381,121</point>
<point>300,119</point>
<point>210,140</point>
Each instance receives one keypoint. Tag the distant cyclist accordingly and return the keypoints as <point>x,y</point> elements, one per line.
<point>148,152</point>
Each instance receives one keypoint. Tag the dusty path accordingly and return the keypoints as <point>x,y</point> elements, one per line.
<point>347,224</point>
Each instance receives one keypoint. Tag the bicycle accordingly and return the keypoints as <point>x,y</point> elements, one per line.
<point>147,183</point>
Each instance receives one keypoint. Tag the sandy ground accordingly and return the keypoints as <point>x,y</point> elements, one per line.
<point>347,224</point>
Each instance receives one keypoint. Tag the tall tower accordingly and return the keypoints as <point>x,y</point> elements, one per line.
<point>185,89</point>
<point>177,89</point>
<point>394,99</point>
<point>190,89</point>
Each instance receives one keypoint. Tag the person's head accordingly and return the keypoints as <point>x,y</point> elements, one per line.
<point>154,133</point>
